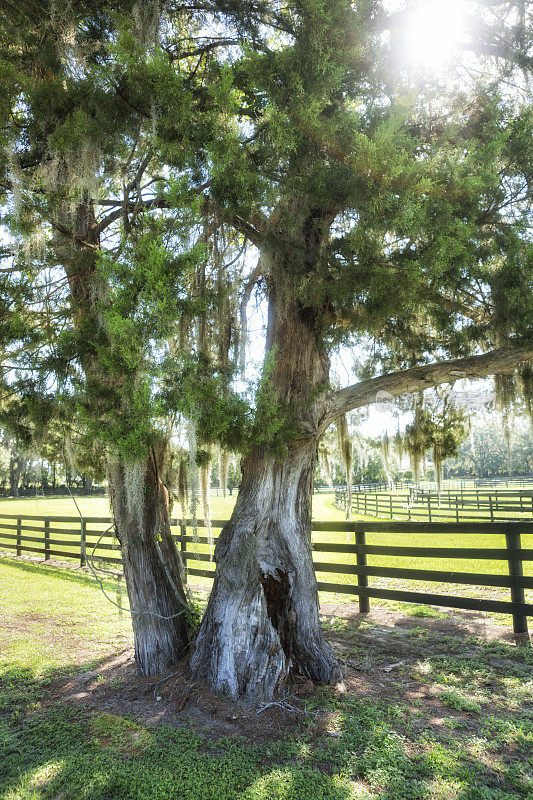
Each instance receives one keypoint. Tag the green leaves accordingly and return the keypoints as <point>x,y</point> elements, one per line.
<point>195,387</point>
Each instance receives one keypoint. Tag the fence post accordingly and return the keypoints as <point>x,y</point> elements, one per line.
<point>390,504</point>
<point>46,539</point>
<point>491,509</point>
<point>512,538</point>
<point>183,548</point>
<point>429,506</point>
<point>83,543</point>
<point>19,536</point>
<point>362,579</point>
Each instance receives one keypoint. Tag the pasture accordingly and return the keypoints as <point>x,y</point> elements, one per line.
<point>324,509</point>
<point>437,703</point>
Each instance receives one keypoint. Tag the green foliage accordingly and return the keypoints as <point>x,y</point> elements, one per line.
<point>393,222</point>
<point>273,427</point>
<point>485,451</point>
<point>200,390</point>
<point>455,700</point>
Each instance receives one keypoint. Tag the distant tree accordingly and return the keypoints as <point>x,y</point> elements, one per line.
<point>489,452</point>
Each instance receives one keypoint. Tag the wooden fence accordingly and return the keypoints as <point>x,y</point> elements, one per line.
<point>424,504</point>
<point>79,538</point>
<point>449,484</point>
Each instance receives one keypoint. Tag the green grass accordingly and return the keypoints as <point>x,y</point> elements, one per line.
<point>476,745</point>
<point>36,599</point>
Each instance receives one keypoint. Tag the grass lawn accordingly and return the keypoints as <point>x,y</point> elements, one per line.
<point>430,712</point>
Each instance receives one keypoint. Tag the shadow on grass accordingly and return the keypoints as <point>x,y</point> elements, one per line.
<point>383,748</point>
<point>373,748</point>
<point>67,574</point>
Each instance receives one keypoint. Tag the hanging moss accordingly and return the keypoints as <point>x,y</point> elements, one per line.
<point>223,470</point>
<point>345,450</point>
<point>324,465</point>
<point>526,385</point>
<point>415,438</point>
<point>205,485</point>
<point>182,484</point>
<point>385,456</point>
<point>437,463</point>
<point>505,390</point>
<point>193,473</point>
<point>442,431</point>
<point>507,425</point>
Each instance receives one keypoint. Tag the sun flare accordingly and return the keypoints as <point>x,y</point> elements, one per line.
<point>433,33</point>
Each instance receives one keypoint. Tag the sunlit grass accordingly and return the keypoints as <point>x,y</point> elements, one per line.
<point>476,745</point>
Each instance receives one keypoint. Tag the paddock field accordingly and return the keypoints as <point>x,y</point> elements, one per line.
<point>323,510</point>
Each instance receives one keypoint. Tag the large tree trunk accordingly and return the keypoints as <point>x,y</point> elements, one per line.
<point>151,565</point>
<point>138,496</point>
<point>262,620</point>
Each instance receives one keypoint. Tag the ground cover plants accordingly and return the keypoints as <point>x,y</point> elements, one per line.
<point>436,706</point>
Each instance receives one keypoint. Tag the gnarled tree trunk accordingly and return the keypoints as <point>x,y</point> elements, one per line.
<point>262,620</point>
<point>151,565</point>
<point>138,496</point>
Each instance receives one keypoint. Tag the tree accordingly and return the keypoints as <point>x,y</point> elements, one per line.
<point>486,453</point>
<point>379,223</point>
<point>78,131</point>
<point>386,220</point>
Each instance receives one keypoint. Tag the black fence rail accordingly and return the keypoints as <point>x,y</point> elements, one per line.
<point>499,506</point>
<point>72,538</point>
<point>512,480</point>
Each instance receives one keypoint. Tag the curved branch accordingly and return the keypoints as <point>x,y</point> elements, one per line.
<point>501,360</point>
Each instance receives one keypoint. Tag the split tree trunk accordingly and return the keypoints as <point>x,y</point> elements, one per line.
<point>151,566</point>
<point>263,618</point>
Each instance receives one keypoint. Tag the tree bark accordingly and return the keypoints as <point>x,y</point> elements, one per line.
<point>262,620</point>
<point>151,564</point>
<point>502,360</point>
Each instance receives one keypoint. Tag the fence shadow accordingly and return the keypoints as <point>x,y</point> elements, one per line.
<point>80,575</point>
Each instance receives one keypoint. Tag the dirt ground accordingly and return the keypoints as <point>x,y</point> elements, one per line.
<point>380,666</point>
<point>382,653</point>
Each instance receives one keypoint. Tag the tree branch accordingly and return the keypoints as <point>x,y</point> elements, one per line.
<point>501,360</point>
<point>253,227</point>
